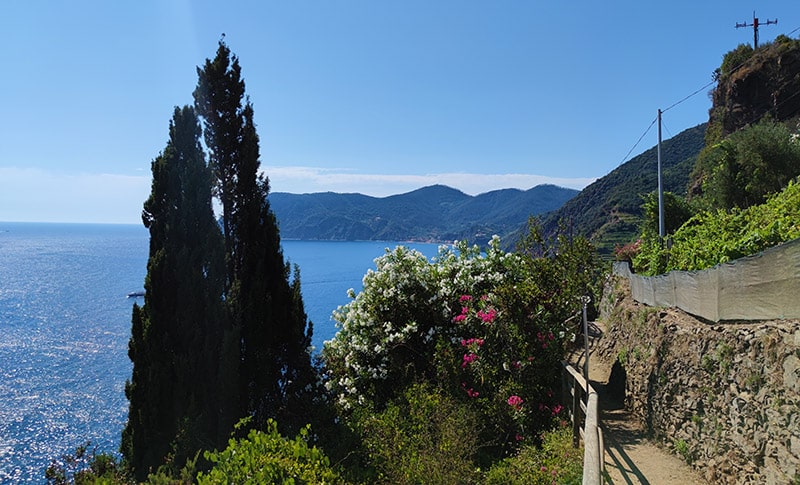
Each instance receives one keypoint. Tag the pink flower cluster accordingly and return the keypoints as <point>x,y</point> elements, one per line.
<point>472,341</point>
<point>544,338</point>
<point>515,402</point>
<point>468,359</point>
<point>470,391</point>
<point>487,316</point>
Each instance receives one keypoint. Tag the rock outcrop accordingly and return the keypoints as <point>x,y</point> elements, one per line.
<point>767,83</point>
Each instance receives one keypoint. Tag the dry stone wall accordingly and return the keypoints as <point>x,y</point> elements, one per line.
<point>726,397</point>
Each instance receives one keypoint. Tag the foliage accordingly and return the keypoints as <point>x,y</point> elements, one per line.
<point>267,457</point>
<point>268,338</point>
<point>749,165</point>
<point>483,327</point>
<point>86,466</point>
<point>734,59</point>
<point>422,437</point>
<point>626,252</point>
<point>555,461</point>
<point>676,212</point>
<point>175,336</point>
<point>223,332</point>
<point>714,237</point>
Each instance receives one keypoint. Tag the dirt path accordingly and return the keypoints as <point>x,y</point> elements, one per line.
<point>631,458</point>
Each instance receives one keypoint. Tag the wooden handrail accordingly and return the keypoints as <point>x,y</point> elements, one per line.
<point>592,433</point>
<point>592,453</point>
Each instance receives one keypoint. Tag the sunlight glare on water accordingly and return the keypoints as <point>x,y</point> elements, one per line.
<point>65,326</point>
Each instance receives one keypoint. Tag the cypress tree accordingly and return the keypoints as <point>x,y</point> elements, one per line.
<point>176,337</point>
<point>275,374</point>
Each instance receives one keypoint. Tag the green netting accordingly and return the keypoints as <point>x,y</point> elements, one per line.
<point>764,286</point>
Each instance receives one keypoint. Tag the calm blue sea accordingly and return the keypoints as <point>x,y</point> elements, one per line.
<point>65,325</point>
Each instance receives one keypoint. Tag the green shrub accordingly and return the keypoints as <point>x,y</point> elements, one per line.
<point>556,461</point>
<point>86,466</point>
<point>714,237</point>
<point>423,437</point>
<point>749,165</point>
<point>268,457</point>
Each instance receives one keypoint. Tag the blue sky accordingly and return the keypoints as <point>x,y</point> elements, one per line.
<point>377,97</point>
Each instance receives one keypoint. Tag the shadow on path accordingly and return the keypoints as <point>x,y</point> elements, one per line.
<point>630,457</point>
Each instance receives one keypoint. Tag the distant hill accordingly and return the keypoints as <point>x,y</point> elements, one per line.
<point>436,213</point>
<point>608,211</point>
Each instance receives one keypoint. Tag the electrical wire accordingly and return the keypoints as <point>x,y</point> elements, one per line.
<point>625,158</point>
<point>639,140</point>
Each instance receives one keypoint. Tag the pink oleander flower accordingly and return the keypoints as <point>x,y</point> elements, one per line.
<point>487,316</point>
<point>470,391</point>
<point>459,318</point>
<point>468,359</point>
<point>515,402</point>
<point>465,298</point>
<point>557,409</point>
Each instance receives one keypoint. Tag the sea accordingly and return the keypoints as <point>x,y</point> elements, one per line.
<point>65,325</point>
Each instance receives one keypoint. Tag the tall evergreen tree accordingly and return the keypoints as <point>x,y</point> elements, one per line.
<point>264,302</point>
<point>176,336</point>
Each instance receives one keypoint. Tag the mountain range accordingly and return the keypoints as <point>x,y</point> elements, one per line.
<point>436,213</point>
<point>607,211</point>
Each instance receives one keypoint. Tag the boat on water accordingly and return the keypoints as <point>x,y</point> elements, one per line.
<point>135,294</point>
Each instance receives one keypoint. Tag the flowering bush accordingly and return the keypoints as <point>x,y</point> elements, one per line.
<point>626,252</point>
<point>484,327</point>
<point>389,332</point>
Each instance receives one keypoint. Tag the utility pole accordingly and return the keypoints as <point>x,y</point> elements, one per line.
<point>755,25</point>
<point>661,230</point>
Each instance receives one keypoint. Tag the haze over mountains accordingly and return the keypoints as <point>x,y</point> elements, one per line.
<point>436,213</point>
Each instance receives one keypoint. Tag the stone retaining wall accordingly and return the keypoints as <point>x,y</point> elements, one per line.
<point>726,397</point>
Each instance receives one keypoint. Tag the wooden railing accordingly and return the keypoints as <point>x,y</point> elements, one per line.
<point>576,388</point>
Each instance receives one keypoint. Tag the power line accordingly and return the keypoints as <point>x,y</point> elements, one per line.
<point>682,100</point>
<point>638,141</point>
<point>689,96</point>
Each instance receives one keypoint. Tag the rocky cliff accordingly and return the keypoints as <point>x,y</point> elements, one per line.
<point>726,397</point>
<point>763,82</point>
